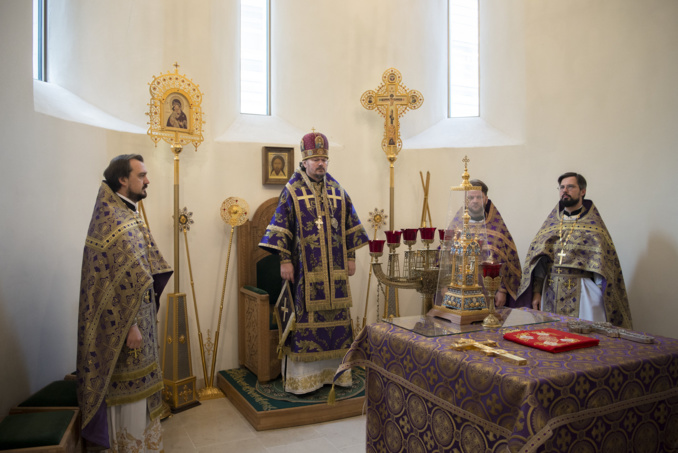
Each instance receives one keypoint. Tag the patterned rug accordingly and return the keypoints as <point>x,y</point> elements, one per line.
<point>270,396</point>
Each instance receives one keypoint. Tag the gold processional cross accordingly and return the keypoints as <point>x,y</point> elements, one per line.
<point>489,348</point>
<point>391,100</point>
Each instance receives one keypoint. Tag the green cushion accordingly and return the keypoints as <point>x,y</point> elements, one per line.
<point>56,394</point>
<point>255,290</point>
<point>270,281</point>
<point>36,429</point>
<point>268,277</point>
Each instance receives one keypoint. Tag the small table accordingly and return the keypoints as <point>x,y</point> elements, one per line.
<point>424,396</point>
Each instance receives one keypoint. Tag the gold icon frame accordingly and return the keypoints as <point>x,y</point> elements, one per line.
<point>166,91</point>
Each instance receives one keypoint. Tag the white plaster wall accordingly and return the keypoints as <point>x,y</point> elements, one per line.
<point>583,85</point>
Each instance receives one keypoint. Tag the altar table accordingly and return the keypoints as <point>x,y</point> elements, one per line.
<point>422,396</point>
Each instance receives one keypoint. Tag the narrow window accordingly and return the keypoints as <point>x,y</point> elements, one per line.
<point>464,84</point>
<point>254,57</point>
<point>40,40</point>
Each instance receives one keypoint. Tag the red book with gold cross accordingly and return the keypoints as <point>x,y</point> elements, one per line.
<point>551,340</point>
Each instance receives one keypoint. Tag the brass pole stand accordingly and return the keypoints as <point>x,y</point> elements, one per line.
<point>177,368</point>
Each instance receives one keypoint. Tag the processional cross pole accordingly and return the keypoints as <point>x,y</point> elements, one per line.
<point>391,100</point>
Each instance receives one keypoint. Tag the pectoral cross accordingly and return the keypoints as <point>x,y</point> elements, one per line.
<point>562,255</point>
<point>489,348</point>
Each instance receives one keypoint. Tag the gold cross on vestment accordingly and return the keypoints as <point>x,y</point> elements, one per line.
<point>489,348</point>
<point>306,196</point>
<point>569,284</point>
<point>134,352</point>
<point>334,195</point>
<point>391,99</point>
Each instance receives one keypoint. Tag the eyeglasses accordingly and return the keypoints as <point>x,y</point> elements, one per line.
<point>567,187</point>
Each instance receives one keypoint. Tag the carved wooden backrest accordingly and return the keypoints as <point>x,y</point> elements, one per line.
<point>249,236</point>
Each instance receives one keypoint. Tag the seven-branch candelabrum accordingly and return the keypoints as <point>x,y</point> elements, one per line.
<point>421,266</point>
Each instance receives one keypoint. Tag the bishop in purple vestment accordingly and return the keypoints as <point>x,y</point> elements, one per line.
<point>316,231</point>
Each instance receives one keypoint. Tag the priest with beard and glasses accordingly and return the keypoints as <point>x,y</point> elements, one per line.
<point>572,267</point>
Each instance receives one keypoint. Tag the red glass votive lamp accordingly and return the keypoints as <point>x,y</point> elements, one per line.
<point>393,238</point>
<point>427,233</point>
<point>441,234</point>
<point>410,235</point>
<point>376,247</point>
<point>491,270</point>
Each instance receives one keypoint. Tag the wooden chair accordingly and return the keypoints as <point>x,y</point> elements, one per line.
<point>260,283</point>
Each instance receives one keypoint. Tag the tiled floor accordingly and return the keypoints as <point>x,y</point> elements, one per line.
<point>217,426</point>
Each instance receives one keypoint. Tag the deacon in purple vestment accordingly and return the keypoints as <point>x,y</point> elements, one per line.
<point>572,267</point>
<point>316,231</point>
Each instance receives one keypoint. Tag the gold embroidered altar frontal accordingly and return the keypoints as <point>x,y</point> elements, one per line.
<point>423,396</point>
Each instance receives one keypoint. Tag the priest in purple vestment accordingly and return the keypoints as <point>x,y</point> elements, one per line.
<point>316,231</point>
<point>572,267</point>
<point>497,243</point>
<point>123,274</point>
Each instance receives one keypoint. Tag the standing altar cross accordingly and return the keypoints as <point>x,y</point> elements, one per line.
<point>391,100</point>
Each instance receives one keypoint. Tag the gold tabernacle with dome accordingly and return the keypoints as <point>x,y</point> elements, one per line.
<point>460,297</point>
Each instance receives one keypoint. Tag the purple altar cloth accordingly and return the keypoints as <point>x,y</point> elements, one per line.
<point>424,397</point>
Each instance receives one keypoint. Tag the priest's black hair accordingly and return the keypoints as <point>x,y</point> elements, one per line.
<point>120,167</point>
<point>581,181</point>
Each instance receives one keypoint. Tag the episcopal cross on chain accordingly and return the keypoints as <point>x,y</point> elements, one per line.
<point>392,100</point>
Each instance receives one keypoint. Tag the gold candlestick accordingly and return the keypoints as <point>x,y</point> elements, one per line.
<point>491,283</point>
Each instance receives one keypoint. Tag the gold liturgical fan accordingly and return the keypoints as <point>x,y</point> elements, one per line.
<point>234,212</point>
<point>175,116</point>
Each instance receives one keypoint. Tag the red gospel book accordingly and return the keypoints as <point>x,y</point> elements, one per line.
<point>551,340</point>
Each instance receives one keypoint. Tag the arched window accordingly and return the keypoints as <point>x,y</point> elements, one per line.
<point>464,85</point>
<point>40,40</point>
<point>255,57</point>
